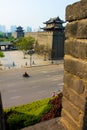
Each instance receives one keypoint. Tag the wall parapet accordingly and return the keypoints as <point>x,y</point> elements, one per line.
<point>74,113</point>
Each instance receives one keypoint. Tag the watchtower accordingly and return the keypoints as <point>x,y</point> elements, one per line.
<point>55,25</point>
<point>20,32</point>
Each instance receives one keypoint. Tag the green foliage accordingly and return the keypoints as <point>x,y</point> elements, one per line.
<point>1,34</point>
<point>25,43</point>
<point>25,115</point>
<point>11,39</point>
<point>1,54</point>
<point>5,38</point>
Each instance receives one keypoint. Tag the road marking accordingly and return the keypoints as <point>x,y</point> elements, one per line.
<point>44,71</point>
<point>61,84</point>
<point>47,71</point>
<point>15,97</point>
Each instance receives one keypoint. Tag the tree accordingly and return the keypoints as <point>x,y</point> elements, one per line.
<point>1,55</point>
<point>25,44</point>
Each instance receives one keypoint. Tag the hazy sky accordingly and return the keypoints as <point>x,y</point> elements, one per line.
<point>31,12</point>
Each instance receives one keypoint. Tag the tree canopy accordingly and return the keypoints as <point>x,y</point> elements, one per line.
<point>25,43</point>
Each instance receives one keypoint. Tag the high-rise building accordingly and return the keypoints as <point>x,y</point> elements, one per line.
<point>29,29</point>
<point>2,28</point>
<point>13,28</point>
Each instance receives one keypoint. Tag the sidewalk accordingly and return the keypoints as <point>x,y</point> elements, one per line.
<point>53,124</point>
<point>16,57</point>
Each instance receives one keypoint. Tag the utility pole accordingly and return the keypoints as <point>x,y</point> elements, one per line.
<point>30,52</point>
<point>30,60</point>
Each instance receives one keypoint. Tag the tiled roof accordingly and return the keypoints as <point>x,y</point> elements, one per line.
<point>56,20</point>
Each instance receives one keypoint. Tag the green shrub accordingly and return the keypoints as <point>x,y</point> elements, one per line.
<point>1,54</point>
<point>26,115</point>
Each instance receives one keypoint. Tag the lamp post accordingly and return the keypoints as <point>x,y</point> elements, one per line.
<point>30,52</point>
<point>30,59</point>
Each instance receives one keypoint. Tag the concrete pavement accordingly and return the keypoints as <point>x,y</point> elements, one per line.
<point>53,124</point>
<point>43,81</point>
<point>14,59</point>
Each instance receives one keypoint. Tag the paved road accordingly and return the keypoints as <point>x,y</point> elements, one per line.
<point>17,90</point>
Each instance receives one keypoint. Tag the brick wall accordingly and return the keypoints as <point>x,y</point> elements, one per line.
<point>74,113</point>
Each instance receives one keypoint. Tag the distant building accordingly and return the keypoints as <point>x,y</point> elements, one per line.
<point>13,28</point>
<point>8,34</point>
<point>29,29</point>
<point>2,28</point>
<point>20,32</point>
<point>6,45</point>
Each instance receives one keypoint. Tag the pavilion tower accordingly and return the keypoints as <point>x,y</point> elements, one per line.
<point>55,26</point>
<point>20,32</point>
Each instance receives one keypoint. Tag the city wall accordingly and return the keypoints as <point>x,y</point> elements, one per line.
<point>44,38</point>
<point>53,40</point>
<point>74,113</point>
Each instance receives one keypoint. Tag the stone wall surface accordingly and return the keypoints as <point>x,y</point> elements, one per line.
<point>54,41</point>
<point>74,113</point>
<point>76,48</point>
<point>77,29</point>
<point>42,37</point>
<point>76,11</point>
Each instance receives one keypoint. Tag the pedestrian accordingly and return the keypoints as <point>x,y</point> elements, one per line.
<point>26,63</point>
<point>13,64</point>
<point>33,62</point>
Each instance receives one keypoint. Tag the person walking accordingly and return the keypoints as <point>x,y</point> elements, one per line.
<point>13,64</point>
